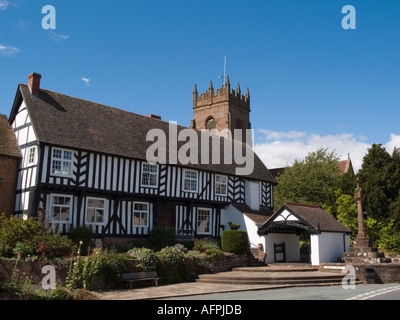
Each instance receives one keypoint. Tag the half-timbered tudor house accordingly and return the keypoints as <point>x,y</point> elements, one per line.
<point>85,164</point>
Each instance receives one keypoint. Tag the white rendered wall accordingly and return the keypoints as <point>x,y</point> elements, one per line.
<point>328,246</point>
<point>292,244</point>
<point>252,194</point>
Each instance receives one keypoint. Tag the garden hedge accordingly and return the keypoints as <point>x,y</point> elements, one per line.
<point>234,241</point>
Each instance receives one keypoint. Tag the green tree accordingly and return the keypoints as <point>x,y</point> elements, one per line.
<point>380,180</point>
<point>310,181</point>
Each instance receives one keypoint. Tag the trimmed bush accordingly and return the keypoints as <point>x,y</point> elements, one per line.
<point>234,241</point>
<point>162,237</point>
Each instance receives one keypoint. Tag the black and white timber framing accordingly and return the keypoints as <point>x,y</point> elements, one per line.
<point>110,185</point>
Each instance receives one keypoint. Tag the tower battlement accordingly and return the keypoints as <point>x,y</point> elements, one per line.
<point>224,94</point>
<point>222,109</point>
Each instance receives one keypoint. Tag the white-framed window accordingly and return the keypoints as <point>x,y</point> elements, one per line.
<point>140,214</point>
<point>149,175</point>
<point>204,221</point>
<point>60,208</point>
<point>95,210</point>
<point>190,180</point>
<point>61,162</point>
<point>221,185</point>
<point>32,155</point>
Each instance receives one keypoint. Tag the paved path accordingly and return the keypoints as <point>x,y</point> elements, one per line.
<point>178,290</point>
<point>201,288</point>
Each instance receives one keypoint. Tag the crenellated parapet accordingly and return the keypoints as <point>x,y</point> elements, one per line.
<point>223,94</point>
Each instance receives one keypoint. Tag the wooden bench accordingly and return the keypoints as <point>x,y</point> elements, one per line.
<point>140,276</point>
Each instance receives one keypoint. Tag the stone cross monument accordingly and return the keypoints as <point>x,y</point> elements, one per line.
<point>362,250</point>
<point>362,240</point>
<point>361,225</point>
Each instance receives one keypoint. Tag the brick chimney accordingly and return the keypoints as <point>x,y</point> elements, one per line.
<point>34,83</point>
<point>153,116</point>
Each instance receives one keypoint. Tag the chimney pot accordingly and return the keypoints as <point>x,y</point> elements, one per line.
<point>34,83</point>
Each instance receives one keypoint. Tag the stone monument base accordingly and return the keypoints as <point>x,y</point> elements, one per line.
<point>363,252</point>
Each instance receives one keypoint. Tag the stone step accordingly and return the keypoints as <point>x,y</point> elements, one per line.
<point>367,249</point>
<point>269,279</point>
<point>273,281</point>
<point>277,268</point>
<point>356,254</point>
<point>366,260</point>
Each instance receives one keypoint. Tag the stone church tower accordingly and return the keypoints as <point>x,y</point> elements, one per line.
<point>224,109</point>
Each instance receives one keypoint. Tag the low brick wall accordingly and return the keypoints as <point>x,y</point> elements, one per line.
<point>228,262</point>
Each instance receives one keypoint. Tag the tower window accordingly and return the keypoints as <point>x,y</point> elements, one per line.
<point>210,124</point>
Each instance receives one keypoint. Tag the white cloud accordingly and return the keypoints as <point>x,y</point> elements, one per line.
<point>276,135</point>
<point>86,81</point>
<point>4,5</point>
<point>292,145</point>
<point>8,51</point>
<point>394,142</point>
<point>57,37</point>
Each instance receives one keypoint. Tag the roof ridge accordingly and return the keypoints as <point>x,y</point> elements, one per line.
<point>302,204</point>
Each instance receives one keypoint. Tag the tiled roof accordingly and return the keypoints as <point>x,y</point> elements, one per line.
<point>8,142</point>
<point>71,122</point>
<point>313,216</point>
<point>258,216</point>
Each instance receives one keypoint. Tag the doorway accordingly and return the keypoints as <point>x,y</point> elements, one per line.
<point>165,216</point>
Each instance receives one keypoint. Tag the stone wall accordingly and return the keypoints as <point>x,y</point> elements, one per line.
<point>31,270</point>
<point>378,273</point>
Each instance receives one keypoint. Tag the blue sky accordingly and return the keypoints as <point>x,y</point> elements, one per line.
<point>312,83</point>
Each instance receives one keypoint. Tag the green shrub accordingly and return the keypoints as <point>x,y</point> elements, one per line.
<point>389,242</point>
<point>84,234</point>
<point>147,258</point>
<point>172,256</point>
<point>108,264</point>
<point>213,252</point>
<point>14,230</point>
<point>233,226</point>
<point>59,293</point>
<point>23,250</point>
<point>83,294</point>
<point>50,245</point>
<point>204,244</point>
<point>172,265</point>
<point>234,241</point>
<point>162,237</point>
